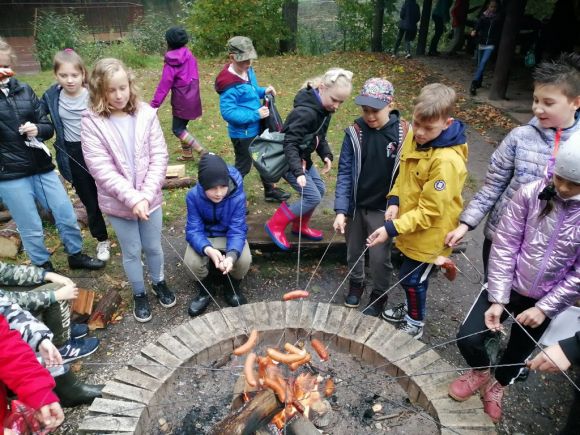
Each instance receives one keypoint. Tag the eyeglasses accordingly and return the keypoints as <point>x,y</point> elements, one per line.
<point>333,74</point>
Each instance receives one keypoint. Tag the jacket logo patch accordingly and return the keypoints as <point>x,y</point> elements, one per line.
<point>440,185</point>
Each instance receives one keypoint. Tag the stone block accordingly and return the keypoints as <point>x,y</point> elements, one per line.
<point>114,389</point>
<point>107,424</point>
<point>174,346</point>
<point>466,420</point>
<point>293,310</point>
<point>320,318</point>
<point>447,404</point>
<point>374,344</point>
<point>233,318</point>
<point>464,431</point>
<point>220,325</point>
<point>307,314</point>
<point>161,356</point>
<point>189,339</point>
<point>138,379</point>
<point>120,408</point>
<point>150,367</point>
<point>201,330</point>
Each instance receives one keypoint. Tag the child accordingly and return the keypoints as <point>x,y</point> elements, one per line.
<point>216,225</point>
<point>305,132</point>
<point>241,107</point>
<point>523,154</point>
<point>426,199</point>
<point>367,169</point>
<point>534,273</point>
<point>126,153</point>
<point>27,174</point>
<point>180,74</point>
<point>65,101</point>
<point>410,15</point>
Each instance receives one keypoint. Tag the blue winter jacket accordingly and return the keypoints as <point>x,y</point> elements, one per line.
<point>206,219</point>
<point>239,103</point>
<point>50,104</point>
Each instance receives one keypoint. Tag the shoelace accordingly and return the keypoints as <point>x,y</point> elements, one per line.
<point>495,392</point>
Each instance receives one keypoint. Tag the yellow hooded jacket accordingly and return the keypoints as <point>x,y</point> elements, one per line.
<point>428,190</point>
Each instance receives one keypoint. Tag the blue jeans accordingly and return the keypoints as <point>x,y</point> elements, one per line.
<point>483,56</point>
<point>135,237</point>
<point>19,197</point>
<point>312,194</point>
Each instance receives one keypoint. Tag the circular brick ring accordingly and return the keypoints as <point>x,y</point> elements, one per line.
<point>129,400</point>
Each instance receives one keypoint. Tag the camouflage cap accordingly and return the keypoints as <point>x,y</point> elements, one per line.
<point>242,48</point>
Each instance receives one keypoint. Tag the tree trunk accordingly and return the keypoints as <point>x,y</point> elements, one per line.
<point>507,45</point>
<point>377,31</point>
<point>290,14</point>
<point>424,27</point>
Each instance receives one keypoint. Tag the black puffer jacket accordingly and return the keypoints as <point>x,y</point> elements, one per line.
<point>300,141</point>
<point>16,159</point>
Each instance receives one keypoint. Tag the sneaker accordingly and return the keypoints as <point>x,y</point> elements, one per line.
<point>408,56</point>
<point>141,309</point>
<point>78,330</point>
<point>468,384</point>
<point>414,331</point>
<point>396,314</point>
<point>83,261</point>
<point>78,348</point>
<point>276,194</point>
<point>104,250</point>
<point>164,295</point>
<point>492,393</point>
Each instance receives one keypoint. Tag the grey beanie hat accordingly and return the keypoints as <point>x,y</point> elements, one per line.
<point>568,159</point>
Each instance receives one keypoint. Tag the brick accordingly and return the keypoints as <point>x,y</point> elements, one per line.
<point>108,424</point>
<point>138,379</point>
<point>114,389</point>
<point>222,331</point>
<point>151,368</point>
<point>464,431</point>
<point>189,339</point>
<point>467,420</point>
<point>161,356</point>
<point>116,407</point>
<point>174,346</point>
<point>399,345</point>
<point>448,404</point>
<point>336,317</point>
<point>201,329</point>
<point>293,310</point>
<point>374,343</point>
<point>307,314</point>
<point>234,320</point>
<point>320,317</point>
<point>367,326</point>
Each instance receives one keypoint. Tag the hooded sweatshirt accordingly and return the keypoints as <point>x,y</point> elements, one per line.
<point>428,193</point>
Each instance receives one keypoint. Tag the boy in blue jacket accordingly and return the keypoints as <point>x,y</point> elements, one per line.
<point>216,230</point>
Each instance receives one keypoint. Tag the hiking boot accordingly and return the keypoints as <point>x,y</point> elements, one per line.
<point>164,295</point>
<point>233,294</point>
<point>355,292</point>
<point>77,348</point>
<point>73,392</point>
<point>104,250</point>
<point>415,331</point>
<point>468,384</point>
<point>396,314</point>
<point>78,330</point>
<point>275,194</point>
<point>200,301</point>
<point>377,301</point>
<point>83,261</point>
<point>492,393</point>
<point>47,266</point>
<point>141,308</point>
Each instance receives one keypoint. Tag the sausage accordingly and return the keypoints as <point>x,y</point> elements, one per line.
<point>277,387</point>
<point>249,370</point>
<point>290,348</point>
<point>295,294</point>
<point>248,345</point>
<point>294,366</point>
<point>319,348</point>
<point>449,269</point>
<point>286,358</point>
<point>329,387</point>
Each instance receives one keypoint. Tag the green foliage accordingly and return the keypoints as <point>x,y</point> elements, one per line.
<point>123,50</point>
<point>148,33</point>
<point>56,32</point>
<point>212,23</point>
<point>355,20</point>
<point>540,9</point>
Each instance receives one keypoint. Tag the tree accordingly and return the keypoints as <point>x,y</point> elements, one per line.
<point>424,26</point>
<point>377,29</point>
<point>290,14</point>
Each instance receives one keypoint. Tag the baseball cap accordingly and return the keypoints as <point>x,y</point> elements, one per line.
<point>242,48</point>
<point>376,93</point>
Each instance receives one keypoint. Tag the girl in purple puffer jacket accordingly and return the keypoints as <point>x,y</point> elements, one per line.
<point>534,273</point>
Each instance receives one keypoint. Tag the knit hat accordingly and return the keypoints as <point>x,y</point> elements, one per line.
<point>376,93</point>
<point>567,163</point>
<point>213,171</point>
<point>242,48</point>
<point>176,37</point>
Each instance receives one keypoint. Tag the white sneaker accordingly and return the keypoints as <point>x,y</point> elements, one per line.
<point>104,250</point>
<point>413,330</point>
<point>396,314</point>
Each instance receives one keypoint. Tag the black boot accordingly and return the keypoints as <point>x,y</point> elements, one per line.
<point>233,294</point>
<point>73,392</point>
<point>376,303</point>
<point>473,88</point>
<point>47,266</point>
<point>355,292</point>
<point>274,194</point>
<point>201,299</point>
<point>83,261</point>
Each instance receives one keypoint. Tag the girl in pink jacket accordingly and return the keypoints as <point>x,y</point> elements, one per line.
<point>534,273</point>
<point>126,154</point>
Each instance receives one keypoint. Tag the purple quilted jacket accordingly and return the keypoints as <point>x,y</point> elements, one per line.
<point>537,257</point>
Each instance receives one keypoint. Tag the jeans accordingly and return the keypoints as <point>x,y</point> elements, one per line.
<point>312,193</point>
<point>135,237</point>
<point>439,30</point>
<point>483,56</point>
<point>178,126</point>
<point>409,36</point>
<point>20,197</point>
<point>198,264</point>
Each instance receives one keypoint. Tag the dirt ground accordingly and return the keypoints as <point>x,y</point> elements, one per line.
<point>537,406</point>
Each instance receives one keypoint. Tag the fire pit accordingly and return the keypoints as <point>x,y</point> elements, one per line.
<point>138,397</point>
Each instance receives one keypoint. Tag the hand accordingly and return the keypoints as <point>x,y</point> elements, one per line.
<point>392,212</point>
<point>226,265</point>
<point>141,210</point>
<point>492,317</point>
<point>51,415</point>
<point>551,359</point>
<point>58,279</point>
<point>264,112</point>
<point>29,129</point>
<point>454,237</point>
<point>49,353</point>
<point>339,223</point>
<point>327,165</point>
<point>270,90</point>
<point>532,317</point>
<point>66,293</point>
<point>301,180</point>
<point>378,236</point>
<point>9,431</point>
<point>215,256</point>
<point>473,33</point>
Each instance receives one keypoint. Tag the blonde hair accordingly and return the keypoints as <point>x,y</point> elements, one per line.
<point>68,55</point>
<point>99,83</point>
<point>436,101</point>
<point>332,77</point>
<point>7,48</point>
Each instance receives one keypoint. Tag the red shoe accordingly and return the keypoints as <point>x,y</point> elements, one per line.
<point>468,384</point>
<point>277,224</point>
<point>307,232</point>
<point>492,393</point>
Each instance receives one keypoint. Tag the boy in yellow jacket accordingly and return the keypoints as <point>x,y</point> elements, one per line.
<point>425,202</point>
